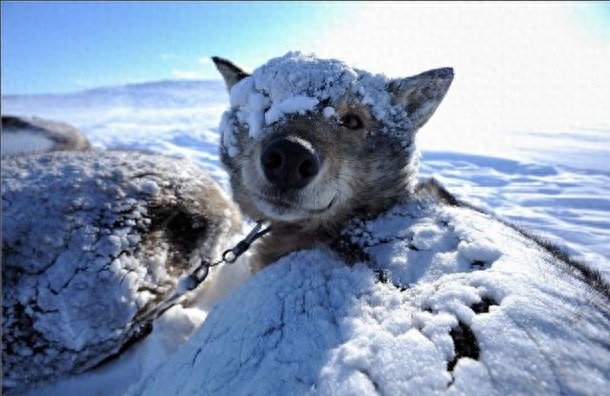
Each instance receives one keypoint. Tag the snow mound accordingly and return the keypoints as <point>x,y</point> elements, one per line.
<point>298,83</point>
<point>28,135</point>
<point>448,300</point>
<point>91,242</point>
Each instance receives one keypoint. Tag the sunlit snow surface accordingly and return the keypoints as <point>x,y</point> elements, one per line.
<point>554,183</point>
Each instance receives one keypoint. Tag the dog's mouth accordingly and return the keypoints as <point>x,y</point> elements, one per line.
<point>287,210</point>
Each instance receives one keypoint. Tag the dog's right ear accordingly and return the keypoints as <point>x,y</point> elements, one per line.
<point>232,74</point>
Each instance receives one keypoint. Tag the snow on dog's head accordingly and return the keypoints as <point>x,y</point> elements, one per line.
<point>309,139</point>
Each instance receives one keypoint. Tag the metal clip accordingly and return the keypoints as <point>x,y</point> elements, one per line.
<point>231,255</point>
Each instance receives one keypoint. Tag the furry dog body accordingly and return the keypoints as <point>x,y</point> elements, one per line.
<point>441,298</point>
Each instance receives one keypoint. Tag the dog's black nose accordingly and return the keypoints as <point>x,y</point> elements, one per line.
<point>290,163</point>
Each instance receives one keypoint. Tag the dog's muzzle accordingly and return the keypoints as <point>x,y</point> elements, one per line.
<point>290,162</point>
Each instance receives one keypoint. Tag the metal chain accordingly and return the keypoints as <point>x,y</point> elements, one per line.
<point>199,274</point>
<point>229,256</point>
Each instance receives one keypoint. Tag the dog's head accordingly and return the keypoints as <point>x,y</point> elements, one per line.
<point>312,141</point>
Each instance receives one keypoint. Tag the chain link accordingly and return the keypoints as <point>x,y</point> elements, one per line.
<point>199,274</point>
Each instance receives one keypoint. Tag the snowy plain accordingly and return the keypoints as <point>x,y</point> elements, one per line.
<point>552,182</point>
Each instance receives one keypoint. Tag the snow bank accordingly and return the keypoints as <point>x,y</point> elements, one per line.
<point>91,242</point>
<point>297,83</point>
<point>450,301</point>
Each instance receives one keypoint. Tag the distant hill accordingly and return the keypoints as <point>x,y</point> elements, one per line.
<point>165,93</point>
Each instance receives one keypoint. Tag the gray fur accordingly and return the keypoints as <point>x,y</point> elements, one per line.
<point>231,73</point>
<point>422,94</point>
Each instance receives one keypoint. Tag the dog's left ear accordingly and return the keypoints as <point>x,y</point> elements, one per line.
<point>232,74</point>
<point>421,94</point>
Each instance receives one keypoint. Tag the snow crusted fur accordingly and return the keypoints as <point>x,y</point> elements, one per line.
<point>91,242</point>
<point>370,282</point>
<point>449,300</point>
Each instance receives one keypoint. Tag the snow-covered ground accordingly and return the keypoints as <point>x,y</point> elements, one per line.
<point>553,182</point>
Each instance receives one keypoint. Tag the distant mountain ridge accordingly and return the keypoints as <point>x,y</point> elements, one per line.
<point>172,93</point>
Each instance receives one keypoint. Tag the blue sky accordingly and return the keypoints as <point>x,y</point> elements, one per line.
<point>68,46</point>
<point>63,46</point>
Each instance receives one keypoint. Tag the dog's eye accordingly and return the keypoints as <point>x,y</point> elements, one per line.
<point>352,121</point>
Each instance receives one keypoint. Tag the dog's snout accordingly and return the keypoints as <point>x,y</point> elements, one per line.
<point>290,163</point>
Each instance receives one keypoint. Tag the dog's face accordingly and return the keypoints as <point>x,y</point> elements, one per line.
<point>311,141</point>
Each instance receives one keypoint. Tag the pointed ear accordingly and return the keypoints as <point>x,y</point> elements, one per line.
<point>231,73</point>
<point>421,94</point>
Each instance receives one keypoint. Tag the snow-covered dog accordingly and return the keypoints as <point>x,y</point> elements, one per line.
<point>440,297</point>
<point>93,243</point>
<point>311,143</point>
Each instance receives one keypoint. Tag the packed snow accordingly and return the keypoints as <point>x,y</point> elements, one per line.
<point>362,331</point>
